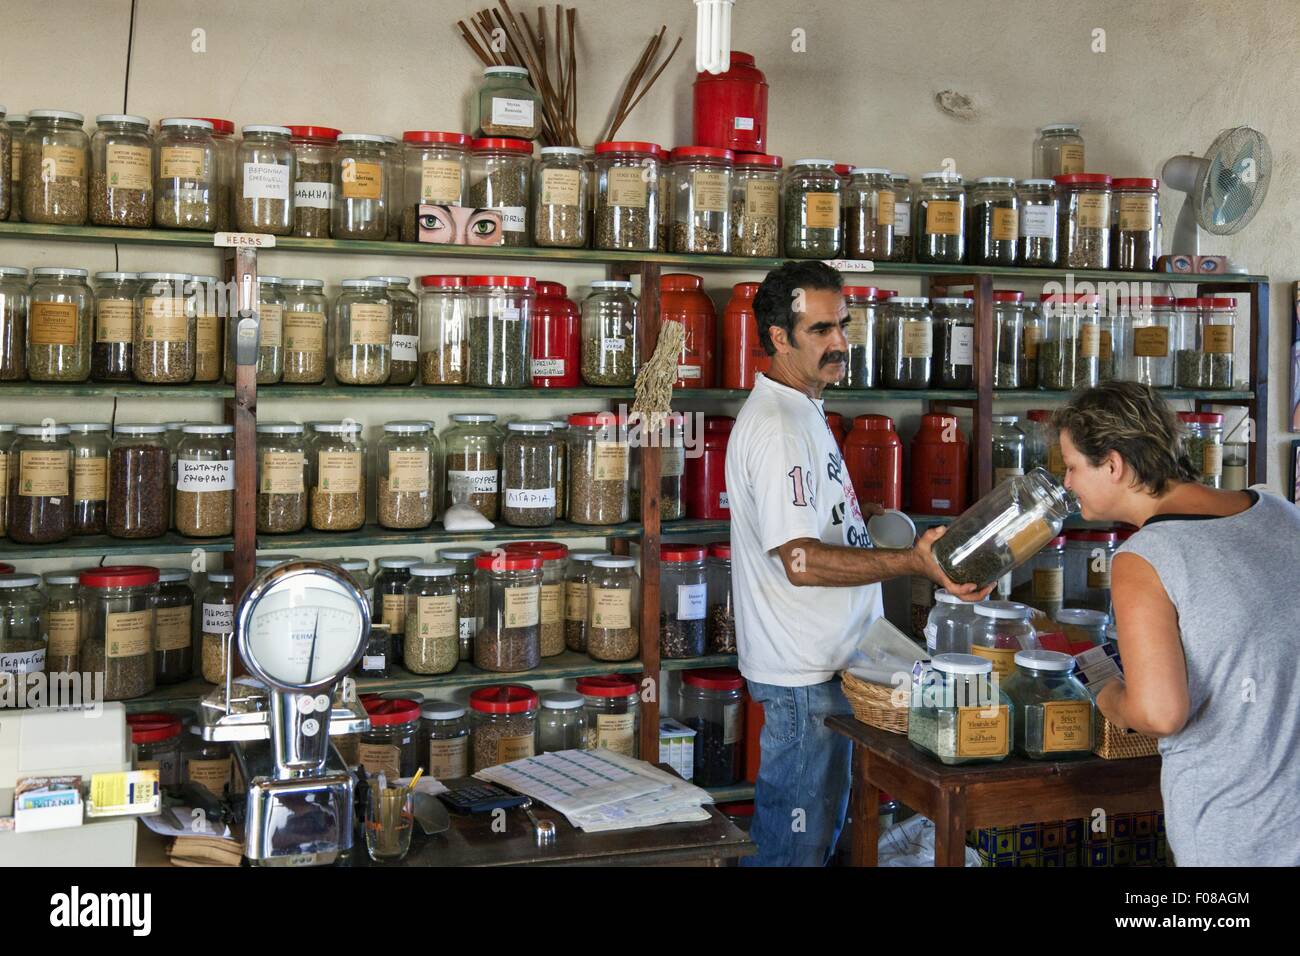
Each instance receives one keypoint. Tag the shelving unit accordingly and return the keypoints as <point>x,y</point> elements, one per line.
<point>240,401</point>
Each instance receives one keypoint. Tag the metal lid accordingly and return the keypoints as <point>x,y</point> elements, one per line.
<point>111,276</point>
<point>458,554</point>
<point>59,271</point>
<point>185,121</point>
<point>54,430</point>
<point>407,428</point>
<point>533,428</point>
<point>115,118</point>
<point>360,138</point>
<point>138,428</point>
<point>474,418</point>
<point>505,71</point>
<point>278,130</point>
<point>208,429</point>
<point>271,560</point>
<point>614,561</point>
<point>61,577</point>
<point>19,580</point>
<point>302,283</point>
<point>1059,127</point>
<point>279,428</point>
<point>12,271</point>
<point>586,556</point>
<point>172,575</point>
<point>84,428</point>
<point>1082,617</point>
<point>57,114</point>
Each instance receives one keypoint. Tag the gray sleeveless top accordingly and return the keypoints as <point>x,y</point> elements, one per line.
<point>1231,777</point>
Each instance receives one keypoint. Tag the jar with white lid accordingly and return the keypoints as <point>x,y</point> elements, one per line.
<point>217,625</point>
<point>358,570</point>
<point>60,315</point>
<point>389,604</point>
<point>1001,629</point>
<point>613,609</point>
<point>1008,338</point>
<point>994,222</point>
<point>1084,625</point>
<point>408,469</point>
<point>701,177</point>
<point>140,480</point>
<point>187,188</point>
<point>13,324</point>
<point>508,591</point>
<point>112,354</point>
<point>1039,212</point>
<point>1146,330</point>
<point>870,206</point>
<point>40,485</point>
<point>165,335</point>
<point>561,722</point>
<point>55,168</point>
<point>436,173</point>
<point>361,187</point>
<point>23,632</point>
<point>500,178</point>
<point>903,195</point>
<point>576,576</point>
<point>958,713</point>
<point>173,627</point>
<point>363,314</point>
<point>1008,448</point>
<point>756,206</point>
<point>265,181</point>
<point>629,182</point>
<point>610,346</point>
<point>281,478</point>
<point>812,195</point>
<point>205,481</point>
<point>462,559</point>
<point>336,461</point>
<point>62,621</point>
<point>1058,150</point>
<point>948,628</point>
<point>1054,713</point>
<point>444,330</point>
<point>683,601</point>
<point>305,321</point>
<point>473,449</point>
<point>1046,581</point>
<point>908,352</point>
<point>528,473</point>
<point>1088,556</point>
<point>117,628</point>
<point>613,706</point>
<point>405,356</point>
<point>954,320</point>
<point>445,730</point>
<point>121,177</point>
<point>560,195</point>
<point>313,179</point>
<point>431,644</point>
<point>89,442</point>
<point>941,219</point>
<point>15,125</point>
<point>1069,355</point>
<point>500,330</point>
<point>506,104</point>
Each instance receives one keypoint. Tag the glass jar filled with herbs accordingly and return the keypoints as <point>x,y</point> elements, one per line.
<point>500,178</point>
<point>404,363</point>
<point>506,104</point>
<point>13,324</point>
<point>870,204</point>
<point>1218,326</point>
<point>669,438</point>
<point>90,441</point>
<point>173,627</point>
<point>500,329</point>
<point>24,635</point>
<point>1146,324</point>
<point>1008,448</point>
<point>1008,338</point>
<point>701,177</point>
<point>528,474</point>
<point>909,342</point>
<point>430,644</point>
<point>560,195</point>
<point>954,321</point>
<point>112,356</point>
<point>264,184</point>
<point>1085,220</point>
<point>63,622</point>
<point>223,139</point>
<point>629,180</point>
<point>121,177</point>
<point>336,461</point>
<point>7,436</point>
<point>941,219</point>
<point>903,196</point>
<point>55,168</point>
<point>165,332</point>
<point>1069,355</point>
<point>436,173</point>
<point>473,461</point>
<point>813,193</point>
<point>1135,224</point>
<point>1035,326</point>
<point>363,314</point>
<point>1058,150</point>
<point>598,469</point>
<point>41,482</point>
<point>462,559</point>
<point>553,555</point>
<point>994,221</point>
<point>205,481</point>
<point>610,347</point>
<point>60,316</point>
<point>305,321</point>
<point>1203,437</point>
<point>683,601</point>
<point>313,179</point>
<point>139,481</point>
<point>576,576</point>
<point>117,620</point>
<point>756,206</point>
<point>281,478</point>
<point>444,330</point>
<point>361,187</point>
<point>188,191</point>
<point>211,306</point>
<point>1039,215</point>
<point>408,471</point>
<point>508,591</point>
<point>389,606</point>
<point>216,625</point>
<point>613,609</point>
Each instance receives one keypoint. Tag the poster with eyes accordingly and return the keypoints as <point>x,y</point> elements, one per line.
<point>460,225</point>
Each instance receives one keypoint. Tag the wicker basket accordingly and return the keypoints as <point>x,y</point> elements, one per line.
<point>1115,743</point>
<point>872,704</point>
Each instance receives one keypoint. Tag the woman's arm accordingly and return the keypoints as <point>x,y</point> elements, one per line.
<point>1152,698</point>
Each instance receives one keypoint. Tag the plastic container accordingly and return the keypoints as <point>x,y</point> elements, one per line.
<point>941,219</point>
<point>500,330</point>
<point>873,454</point>
<point>556,353</point>
<point>23,631</point>
<point>156,739</point>
<point>743,354</point>
<point>1218,325</point>
<point>1054,714</point>
<point>712,705</point>
<point>908,352</point>
<point>1135,225</point>
<point>1085,220</point>
<point>553,555</point>
<point>683,601</point>
<point>117,621</point>
<point>812,195</point>
<point>1069,355</point>
<point>949,628</point>
<point>41,485</point>
<point>444,731</point>
<point>670,439</point>
<point>610,342</point>
<point>361,187</point>
<point>730,108</point>
<point>205,481</point>
<point>1039,214</point>
<point>1088,556</point>
<point>1009,339</point>
<point>55,168</point>
<point>503,724</point>
<point>336,463</point>
<point>994,222</point>
<point>508,590</point>
<point>613,609</point>
<point>561,722</point>
<point>629,181</point>
<point>954,321</point>
<point>392,744</point>
<point>756,205</point>
<point>444,330</point>
<point>682,299</point>
<point>1058,150</point>
<point>1145,326</point>
<point>436,173</point>
<point>473,458</point>
<point>598,476</point>
<point>500,178</point>
<point>313,179</point>
<point>1001,629</point>
<point>938,466</point>
<point>706,474</point>
<point>121,178</point>
<point>506,104</point>
<point>958,714</point>
<point>61,310</point>
<point>431,641</point>
<point>13,324</point>
<point>612,705</point>
<point>408,472</point>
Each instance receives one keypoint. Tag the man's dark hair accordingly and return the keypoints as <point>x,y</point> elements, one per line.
<point>774,301</point>
<point>1134,421</point>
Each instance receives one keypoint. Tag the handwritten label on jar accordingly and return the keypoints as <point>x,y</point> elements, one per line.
<point>1038,221</point>
<point>616,732</point>
<point>128,167</point>
<point>218,618</point>
<point>672,462</point>
<point>164,320</point>
<point>1049,584</point>
<point>514,748</point>
<point>449,758</point>
<point>1094,210</point>
<point>23,662</point>
<point>467,628</point>
<point>406,348</point>
<point>1151,341</point>
<point>1067,725</point>
<point>181,162</point>
<point>859,330</point>
<point>266,181</point>
<point>90,479</point>
<point>282,473</point>
<point>270,325</point>
<point>902,219</point>
<point>611,461</point>
<point>982,731</point>
<point>1033,335</point>
<point>762,198</point>
<point>561,187</point>
<point>62,162</point>
<point>172,628</point>
<point>440,181</point>
<point>507,111</point>
<point>1003,658</point>
<point>548,367</point>
<point>52,323</point>
<point>530,498</point>
<point>611,608</point>
<point>1002,474</point>
<point>522,606</point>
<point>361,180</point>
<point>408,471</point>
<point>625,187</point>
<point>64,628</point>
<point>552,603</point>
<point>338,472</point>
<point>942,218</point>
<point>1212,460</point>
<point>200,476</point>
<point>370,324</point>
<point>575,601</point>
<point>823,210</point>
<point>963,345</point>
<point>462,484</point>
<point>1005,225</point>
<point>885,207</point>
<point>435,616</point>
<point>685,372</point>
<point>1089,340</point>
<point>1217,339</point>
<point>304,332</point>
<point>1137,213</point>
<point>380,758</point>
<point>128,633</point>
<point>709,191</point>
<point>1071,158</point>
<point>691,602</point>
<point>43,474</point>
<point>918,340</point>
<point>113,319</point>
<point>313,195</point>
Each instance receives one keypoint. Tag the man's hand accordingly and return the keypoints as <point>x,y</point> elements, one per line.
<point>930,568</point>
<point>870,509</point>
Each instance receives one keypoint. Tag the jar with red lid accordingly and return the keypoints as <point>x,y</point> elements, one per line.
<point>598,468</point>
<point>313,179</point>
<point>682,299</point>
<point>1085,220</point>
<point>881,297</point>
<point>743,354</point>
<point>671,442</point>
<point>756,205</point>
<point>1008,338</point>
<point>613,706</point>
<point>1069,355</point>
<point>508,599</point>
<point>117,628</point>
<point>557,339</point>
<point>444,330</point>
<point>712,705</point>
<point>436,173</point>
<point>731,107</point>
<point>156,739</point>
<point>503,722</point>
<point>554,556</point>
<point>860,370</point>
<point>1088,555</point>
<point>722,608</point>
<point>1203,437</point>
<point>500,178</point>
<point>683,601</point>
<point>706,475</point>
<point>561,191</point>
<point>664,203</point>
<point>1042,446</point>
<point>1135,225</point>
<point>701,178</point>
<point>1145,328</point>
<point>223,139</point>
<point>873,455</point>
<point>939,466</point>
<point>628,184</point>
<point>392,744</point>
<point>1218,325</point>
<point>500,330</point>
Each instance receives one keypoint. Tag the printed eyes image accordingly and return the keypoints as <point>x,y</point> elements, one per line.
<point>461,225</point>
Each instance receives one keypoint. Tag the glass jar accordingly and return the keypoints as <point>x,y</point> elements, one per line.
<point>207,763</point>
<point>529,473</point>
<point>281,478</point>
<point>503,724</point>
<point>671,441</point>
<point>756,205</point>
<point>1038,222</point>
<point>1085,220</point>
<point>444,728</point>
<point>870,211</point>
<point>462,559</point>
<point>389,604</point>
<point>556,355</point>
<point>436,173</point>
<point>89,442</point>
<point>7,437</point>
<point>392,744</point>
<point>395,156</point>
<point>1135,225</point>
<point>1058,150</point>
<point>958,713</point>
<point>164,336</point>
<point>560,195</point>
<point>305,318</point>
<point>813,193</point>
<point>508,591</point>
<point>211,308</point>
<point>954,321</point>
<point>270,333</point>
<point>41,485</point>
<point>139,482</point>
<point>506,104</point>
<point>613,609</point>
<point>561,722</point>
<point>121,176</point>
<point>61,311</point>
<point>1035,327</point>
<point>1236,466</point>
<point>1003,530</point>
<point>553,555</point>
<point>1069,355</point>
<point>1046,589</point>
<point>903,246</point>
<point>909,342</point>
<point>15,125</point>
<point>500,330</point>
<point>994,222</point>
<point>1042,446</point>
<point>188,189</point>
<point>1008,338</point>
<point>408,469</point>
<point>444,330</point>
<point>598,469</point>
<point>205,481</point>
<point>500,178</point>
<point>941,219</point>
<point>216,625</point>
<point>112,354</point>
<point>576,576</point>
<point>473,447</point>
<point>701,177</point>
<point>1189,360</point>
<point>610,343</point>
<point>156,739</point>
<point>722,612</point>
<point>6,150</point>
<point>1001,629</point>
<point>949,625</point>
<point>664,198</point>
<point>612,705</point>
<point>361,187</point>
<point>683,601</point>
<point>864,321</point>
<point>23,631</point>
<point>431,644</point>
<point>560,440</point>
<point>173,631</point>
<point>1218,324</point>
<point>1146,326</point>
<point>1083,625</point>
<point>13,324</point>
<point>63,622</point>
<point>1053,712</point>
<point>223,140</point>
<point>117,628</point>
<point>336,462</point>
<point>629,182</point>
<point>1008,448</point>
<point>55,168</point>
<point>313,179</point>
<point>363,314</point>
<point>712,705</point>
<point>1088,556</point>
<point>404,360</point>
<point>1203,438</point>
<point>265,181</point>
<point>1112,344</point>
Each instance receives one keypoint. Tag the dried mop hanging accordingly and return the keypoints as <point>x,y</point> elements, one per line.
<point>654,384</point>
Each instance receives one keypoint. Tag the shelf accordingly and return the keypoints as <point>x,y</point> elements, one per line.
<point>735,793</point>
<point>697,663</point>
<point>1169,394</point>
<point>372,534</point>
<point>266,393</point>
<point>841,394</point>
<point>95,546</point>
<point>112,390</point>
<point>355,247</point>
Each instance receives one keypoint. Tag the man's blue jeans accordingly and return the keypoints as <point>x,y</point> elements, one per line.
<point>803,780</point>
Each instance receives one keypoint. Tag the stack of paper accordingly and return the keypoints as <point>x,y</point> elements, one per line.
<point>601,790</point>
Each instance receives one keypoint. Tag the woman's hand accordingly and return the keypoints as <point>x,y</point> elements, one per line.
<point>929,567</point>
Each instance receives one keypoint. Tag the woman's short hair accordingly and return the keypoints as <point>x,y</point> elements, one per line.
<point>1134,421</point>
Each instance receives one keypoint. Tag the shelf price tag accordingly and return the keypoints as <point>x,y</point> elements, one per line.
<point>243,240</point>
<point>851,265</point>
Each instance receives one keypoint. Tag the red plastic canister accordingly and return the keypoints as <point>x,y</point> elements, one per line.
<point>939,462</point>
<point>743,355</point>
<point>557,338</point>
<point>706,475</point>
<point>681,297</point>
<point>873,455</point>
<point>836,421</point>
<point>731,108</point>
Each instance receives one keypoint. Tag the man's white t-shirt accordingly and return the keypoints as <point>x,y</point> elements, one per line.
<point>786,479</point>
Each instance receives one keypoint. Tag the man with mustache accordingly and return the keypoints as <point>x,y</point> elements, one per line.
<point>806,580</point>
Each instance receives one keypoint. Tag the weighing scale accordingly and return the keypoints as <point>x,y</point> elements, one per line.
<point>301,627</point>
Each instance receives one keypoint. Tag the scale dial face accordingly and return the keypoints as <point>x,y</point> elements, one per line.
<point>303,625</point>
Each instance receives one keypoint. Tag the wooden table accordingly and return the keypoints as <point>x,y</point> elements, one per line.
<point>964,798</point>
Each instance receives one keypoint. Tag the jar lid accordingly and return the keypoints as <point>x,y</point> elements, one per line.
<point>563,151</point>
<point>474,418</point>
<point>1059,128</point>
<point>392,280</point>
<point>277,130</point>
<point>44,431</point>
<point>15,271</point>
<point>59,271</point>
<point>99,276</point>
<point>458,554</point>
<point>62,577</point>
<point>433,136</point>
<point>1082,616</point>
<point>1093,534</point>
<point>844,169</point>
<point>314,132</point>
<point>211,279</point>
<point>683,153</point>
<point>586,556</point>
<point>352,564</point>
<point>153,727</point>
<point>104,118</point>
<point>607,685</point>
<point>746,290</point>
<point>505,71</point>
<point>364,284</point>
<point>561,700</point>
<point>279,428</point>
<point>950,300</point>
<point>441,710</point>
<point>721,550</point>
<point>873,422</point>
<point>530,428</point>
<point>385,712</point>
<point>714,678</point>
<point>827,163</point>
<point>85,428</point>
<point>188,122</point>
<point>223,126</point>
<point>595,419</point>
<point>172,575</point>
<point>1084,179</point>
<point>1137,183</point>
<point>614,561</point>
<point>1005,419</point>
<point>551,290</point>
<point>622,284</point>
<point>1008,295</point>
<point>336,428</point>
<point>944,596</point>
<point>681,553</point>
<point>432,571</point>
<point>119,576</point>
<point>221,577</point>
<point>859,291</point>
<point>546,550</point>
<point>627,146</point>
<point>871,171</point>
<point>138,428</point>
<point>885,294</point>
<point>962,663</point>
<point>397,561</point>
<point>1148,301</point>
<point>909,300</point>
<point>19,580</point>
<point>899,177</point>
<point>1195,418</point>
<point>166,276</point>
<point>407,428</point>
<point>271,560</point>
<point>16,118</point>
<point>499,145</point>
<point>941,176</point>
<point>360,138</point>
<point>1216,303</point>
<point>505,561</point>
<point>57,114</point>
<point>758,159</point>
<point>1039,414</point>
<point>503,699</point>
<point>1004,610</point>
<point>268,280</point>
<point>510,282</point>
<point>209,429</point>
<point>996,181</point>
<point>1037,182</point>
<point>1041,660</point>
<point>442,282</point>
<point>1187,302</point>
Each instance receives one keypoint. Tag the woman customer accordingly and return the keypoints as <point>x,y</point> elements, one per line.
<point>1207,608</point>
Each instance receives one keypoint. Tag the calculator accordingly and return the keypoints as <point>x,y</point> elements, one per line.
<point>468,795</point>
